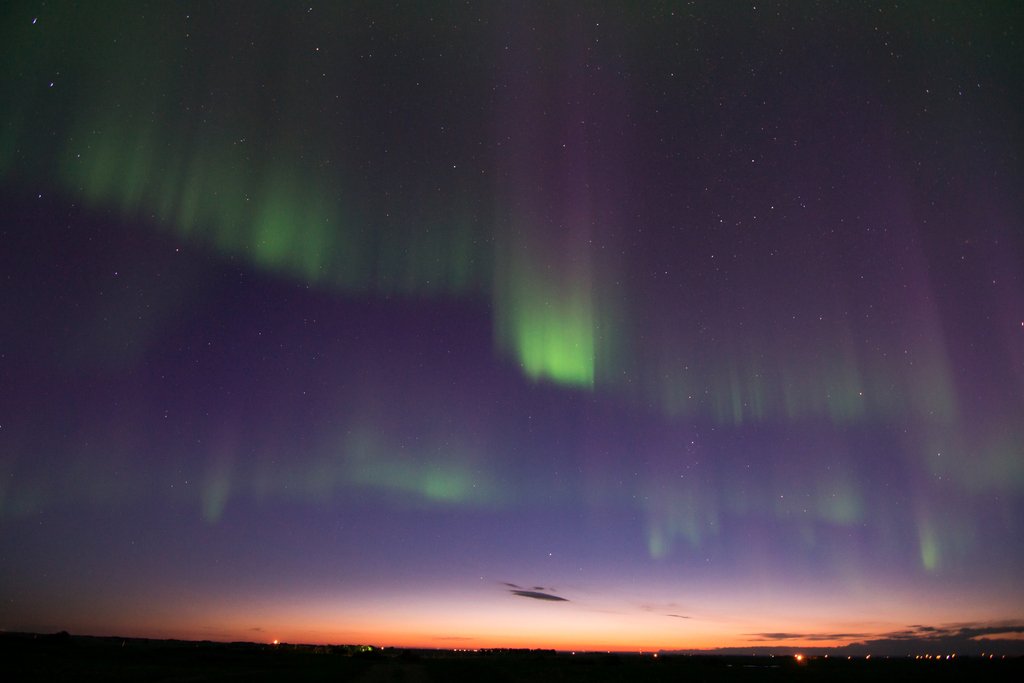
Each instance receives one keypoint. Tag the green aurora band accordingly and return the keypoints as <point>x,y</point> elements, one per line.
<point>207,170</point>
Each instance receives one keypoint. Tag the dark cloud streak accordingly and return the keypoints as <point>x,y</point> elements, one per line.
<point>917,638</point>
<point>537,595</point>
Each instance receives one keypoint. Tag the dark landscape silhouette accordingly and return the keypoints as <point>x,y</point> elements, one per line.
<point>64,657</point>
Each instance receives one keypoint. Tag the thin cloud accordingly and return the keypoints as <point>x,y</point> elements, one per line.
<point>963,638</point>
<point>678,616</point>
<point>955,631</point>
<point>775,637</point>
<point>537,595</point>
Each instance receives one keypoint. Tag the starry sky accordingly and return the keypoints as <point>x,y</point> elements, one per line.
<point>609,325</point>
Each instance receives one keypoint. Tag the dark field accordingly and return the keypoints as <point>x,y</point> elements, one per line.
<point>77,658</point>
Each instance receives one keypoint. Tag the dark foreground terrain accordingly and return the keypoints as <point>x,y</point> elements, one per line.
<point>61,657</point>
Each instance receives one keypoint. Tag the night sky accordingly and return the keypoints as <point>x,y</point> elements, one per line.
<point>564,325</point>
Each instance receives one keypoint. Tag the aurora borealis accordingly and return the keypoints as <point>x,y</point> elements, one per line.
<point>393,323</point>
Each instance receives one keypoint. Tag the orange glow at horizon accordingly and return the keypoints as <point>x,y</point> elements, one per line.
<point>522,629</point>
<point>487,616</point>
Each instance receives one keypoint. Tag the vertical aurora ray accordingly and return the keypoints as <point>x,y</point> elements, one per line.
<point>555,311</point>
<point>689,514</point>
<point>545,319</point>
